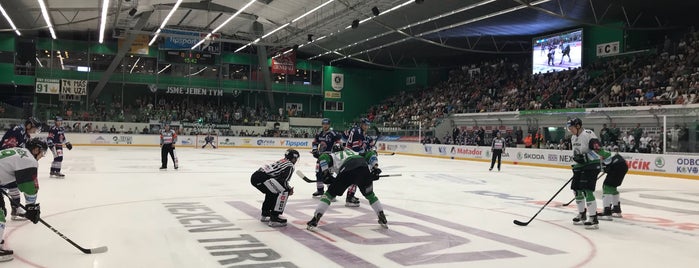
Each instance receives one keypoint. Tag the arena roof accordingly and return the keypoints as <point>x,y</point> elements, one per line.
<point>405,32</point>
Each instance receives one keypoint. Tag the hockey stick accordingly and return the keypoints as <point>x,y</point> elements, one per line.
<point>306,179</point>
<point>84,250</point>
<point>391,153</point>
<point>542,208</point>
<point>571,201</point>
<point>303,177</point>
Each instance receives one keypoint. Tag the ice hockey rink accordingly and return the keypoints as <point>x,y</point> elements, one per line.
<point>441,213</point>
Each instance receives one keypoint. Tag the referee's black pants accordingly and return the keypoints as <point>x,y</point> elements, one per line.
<point>164,151</point>
<point>497,154</point>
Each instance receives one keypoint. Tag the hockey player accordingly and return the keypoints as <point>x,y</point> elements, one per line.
<point>56,139</point>
<point>18,135</point>
<point>497,148</point>
<point>209,140</point>
<point>168,139</point>
<point>587,165</point>
<point>273,181</point>
<point>323,143</point>
<point>615,166</point>
<point>351,168</point>
<point>19,166</point>
<point>356,141</point>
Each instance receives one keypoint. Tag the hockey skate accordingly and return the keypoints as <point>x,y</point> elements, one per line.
<point>490,169</point>
<point>176,167</point>
<point>382,220</point>
<point>616,211</point>
<point>18,214</point>
<point>606,215</point>
<point>592,223</point>
<point>276,221</point>
<point>57,174</point>
<point>163,168</point>
<point>313,223</point>
<point>318,193</point>
<point>5,254</point>
<point>580,219</point>
<point>352,201</point>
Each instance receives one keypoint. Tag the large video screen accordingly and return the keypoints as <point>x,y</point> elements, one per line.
<point>557,52</point>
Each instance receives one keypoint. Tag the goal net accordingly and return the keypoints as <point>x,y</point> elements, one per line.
<point>201,141</point>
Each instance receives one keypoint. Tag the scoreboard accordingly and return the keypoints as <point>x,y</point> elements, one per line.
<point>189,57</point>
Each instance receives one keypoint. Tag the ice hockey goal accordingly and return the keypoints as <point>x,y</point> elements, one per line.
<point>201,141</point>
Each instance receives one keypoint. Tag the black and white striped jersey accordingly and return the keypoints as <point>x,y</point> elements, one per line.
<point>280,170</point>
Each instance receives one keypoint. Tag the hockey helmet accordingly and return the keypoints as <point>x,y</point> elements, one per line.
<point>58,118</point>
<point>365,121</point>
<point>326,121</point>
<point>37,143</point>
<point>33,121</point>
<point>337,147</point>
<point>574,122</point>
<point>291,154</point>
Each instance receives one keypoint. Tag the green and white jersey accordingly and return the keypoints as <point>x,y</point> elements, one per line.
<point>581,146</point>
<point>18,164</point>
<point>340,161</point>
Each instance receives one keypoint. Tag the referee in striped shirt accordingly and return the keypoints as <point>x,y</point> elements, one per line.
<point>498,147</point>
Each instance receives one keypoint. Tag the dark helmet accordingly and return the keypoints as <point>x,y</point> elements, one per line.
<point>33,121</point>
<point>291,154</point>
<point>365,121</point>
<point>326,121</point>
<point>337,147</point>
<point>574,122</point>
<point>58,118</point>
<point>37,143</point>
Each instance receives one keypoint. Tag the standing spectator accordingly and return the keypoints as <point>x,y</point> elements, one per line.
<point>455,134</point>
<point>520,135</point>
<point>538,139</point>
<point>528,141</point>
<point>615,134</point>
<point>637,134</point>
<point>604,134</point>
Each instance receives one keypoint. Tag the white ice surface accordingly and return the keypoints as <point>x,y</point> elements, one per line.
<point>445,213</point>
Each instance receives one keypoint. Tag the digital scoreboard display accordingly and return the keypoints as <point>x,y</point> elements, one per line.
<point>189,57</point>
<point>557,52</point>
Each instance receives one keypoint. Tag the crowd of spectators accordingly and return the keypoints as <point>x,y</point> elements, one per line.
<point>668,76</point>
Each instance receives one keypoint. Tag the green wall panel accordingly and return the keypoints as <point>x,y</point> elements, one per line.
<point>7,42</point>
<point>594,35</point>
<point>364,88</point>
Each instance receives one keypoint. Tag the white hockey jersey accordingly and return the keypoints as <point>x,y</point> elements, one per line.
<point>16,161</point>
<point>581,145</point>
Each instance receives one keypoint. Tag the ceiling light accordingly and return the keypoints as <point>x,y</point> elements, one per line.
<point>311,11</point>
<point>7,17</point>
<point>273,31</point>
<point>103,19</point>
<point>226,22</point>
<point>162,25</point>
<point>47,19</point>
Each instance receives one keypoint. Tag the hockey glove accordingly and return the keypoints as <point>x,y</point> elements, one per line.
<point>329,179</point>
<point>291,191</point>
<point>375,172</point>
<point>315,153</point>
<point>33,212</point>
<point>69,146</point>
<point>579,158</point>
